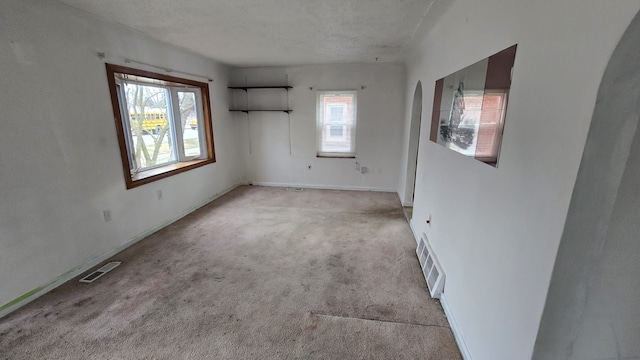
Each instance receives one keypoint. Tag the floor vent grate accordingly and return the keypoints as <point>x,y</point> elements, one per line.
<point>295,188</point>
<point>98,273</point>
<point>431,269</point>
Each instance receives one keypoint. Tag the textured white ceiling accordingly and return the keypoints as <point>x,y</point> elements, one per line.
<point>272,32</point>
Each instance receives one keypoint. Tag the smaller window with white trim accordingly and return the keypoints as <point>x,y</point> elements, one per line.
<point>336,123</point>
<point>163,123</point>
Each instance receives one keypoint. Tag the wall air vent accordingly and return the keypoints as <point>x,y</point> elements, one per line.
<point>431,268</point>
<point>98,273</point>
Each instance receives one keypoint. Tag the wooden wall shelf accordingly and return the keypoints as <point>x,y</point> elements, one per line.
<point>247,88</point>
<point>254,110</point>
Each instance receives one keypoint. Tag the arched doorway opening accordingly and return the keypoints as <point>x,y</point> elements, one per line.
<point>414,141</point>
<point>592,303</point>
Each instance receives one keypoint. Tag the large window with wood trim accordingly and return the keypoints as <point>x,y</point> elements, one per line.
<point>163,123</point>
<point>336,123</point>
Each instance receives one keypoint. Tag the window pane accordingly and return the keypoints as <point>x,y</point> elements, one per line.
<point>336,123</point>
<point>336,113</point>
<point>336,131</point>
<point>150,125</point>
<point>189,122</point>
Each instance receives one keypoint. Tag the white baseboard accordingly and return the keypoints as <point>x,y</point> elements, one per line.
<point>454,328</point>
<point>93,262</point>
<point>414,232</point>
<point>325,187</point>
<point>447,310</point>
<point>407,204</point>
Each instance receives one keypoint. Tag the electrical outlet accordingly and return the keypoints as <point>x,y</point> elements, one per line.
<point>159,194</point>
<point>107,215</point>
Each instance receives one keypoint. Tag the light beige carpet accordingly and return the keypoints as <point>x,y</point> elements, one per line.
<point>261,273</point>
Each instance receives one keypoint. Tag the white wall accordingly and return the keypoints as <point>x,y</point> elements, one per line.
<point>496,230</point>
<point>592,308</point>
<point>274,156</point>
<point>60,163</point>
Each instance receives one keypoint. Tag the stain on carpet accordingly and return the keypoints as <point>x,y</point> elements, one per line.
<point>238,279</point>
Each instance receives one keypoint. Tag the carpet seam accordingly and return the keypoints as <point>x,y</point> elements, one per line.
<point>378,320</point>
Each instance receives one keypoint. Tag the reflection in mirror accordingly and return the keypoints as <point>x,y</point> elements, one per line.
<point>470,106</point>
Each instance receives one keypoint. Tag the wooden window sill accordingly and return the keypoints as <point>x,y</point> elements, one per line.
<point>162,172</point>
<point>336,157</point>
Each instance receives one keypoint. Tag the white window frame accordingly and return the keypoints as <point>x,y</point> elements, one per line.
<point>324,122</point>
<point>176,132</point>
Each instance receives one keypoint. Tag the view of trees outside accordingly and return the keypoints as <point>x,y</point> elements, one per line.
<point>188,121</point>
<point>150,120</point>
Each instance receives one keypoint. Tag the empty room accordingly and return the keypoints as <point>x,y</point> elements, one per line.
<point>420,179</point>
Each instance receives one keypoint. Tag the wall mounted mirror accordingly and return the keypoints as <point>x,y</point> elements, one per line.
<point>470,106</point>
